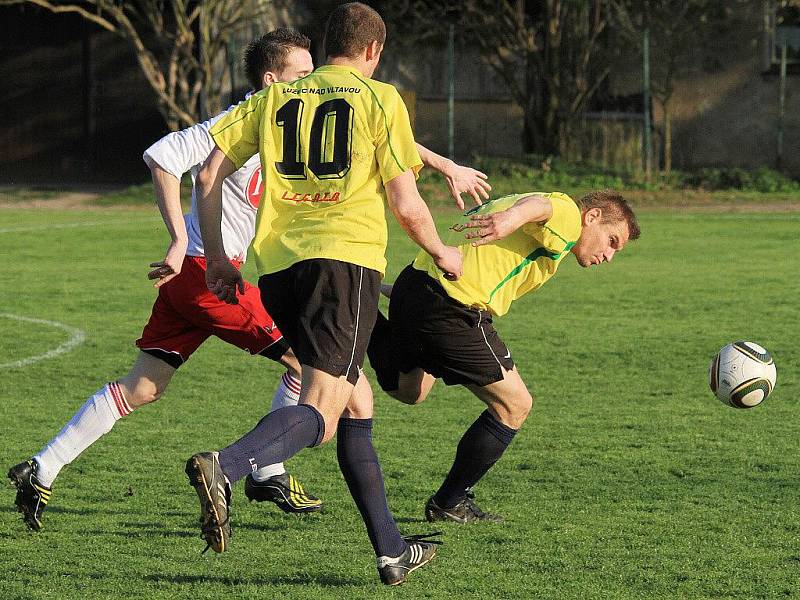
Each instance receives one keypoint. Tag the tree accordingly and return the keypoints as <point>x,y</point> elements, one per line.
<point>180,45</point>
<point>681,32</point>
<point>548,53</point>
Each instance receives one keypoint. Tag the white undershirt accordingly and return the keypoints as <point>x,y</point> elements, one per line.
<point>186,150</point>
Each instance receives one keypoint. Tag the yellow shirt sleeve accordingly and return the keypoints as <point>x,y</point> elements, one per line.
<point>237,133</point>
<point>562,228</point>
<point>395,148</point>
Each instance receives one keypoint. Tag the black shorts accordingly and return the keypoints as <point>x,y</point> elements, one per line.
<point>450,341</point>
<point>326,310</point>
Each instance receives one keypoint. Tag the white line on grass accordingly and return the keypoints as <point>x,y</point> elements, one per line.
<point>77,337</point>
<point>70,225</point>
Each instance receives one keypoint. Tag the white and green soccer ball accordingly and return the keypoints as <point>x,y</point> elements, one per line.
<point>742,374</point>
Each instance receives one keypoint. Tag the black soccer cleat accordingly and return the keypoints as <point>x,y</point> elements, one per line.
<point>465,511</point>
<point>285,491</point>
<point>32,495</point>
<point>214,492</point>
<point>420,551</point>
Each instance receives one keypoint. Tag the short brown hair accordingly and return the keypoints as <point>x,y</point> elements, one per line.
<point>269,52</point>
<point>614,207</point>
<point>351,28</point>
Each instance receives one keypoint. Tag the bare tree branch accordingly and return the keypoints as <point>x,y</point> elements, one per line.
<point>181,57</point>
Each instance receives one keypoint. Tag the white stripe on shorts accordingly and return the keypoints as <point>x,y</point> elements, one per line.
<point>358,315</point>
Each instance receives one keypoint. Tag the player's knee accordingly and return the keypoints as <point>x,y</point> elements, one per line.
<point>142,393</point>
<point>330,431</point>
<point>519,408</point>
<point>407,396</point>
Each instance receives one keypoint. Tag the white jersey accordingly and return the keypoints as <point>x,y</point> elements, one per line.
<point>187,150</point>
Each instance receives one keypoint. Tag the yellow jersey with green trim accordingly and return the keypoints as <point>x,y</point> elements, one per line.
<point>328,144</point>
<point>498,273</point>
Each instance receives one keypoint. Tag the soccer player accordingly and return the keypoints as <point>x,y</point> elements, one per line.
<point>438,328</point>
<point>335,145</point>
<point>185,313</point>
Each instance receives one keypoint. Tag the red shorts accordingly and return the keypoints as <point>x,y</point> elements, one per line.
<point>185,314</point>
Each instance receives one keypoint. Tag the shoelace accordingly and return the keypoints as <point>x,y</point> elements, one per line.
<point>212,530</point>
<point>471,506</point>
<point>423,537</point>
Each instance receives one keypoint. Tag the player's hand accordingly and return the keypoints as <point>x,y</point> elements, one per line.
<point>450,261</point>
<point>485,229</point>
<point>466,180</point>
<point>224,280</point>
<point>170,267</point>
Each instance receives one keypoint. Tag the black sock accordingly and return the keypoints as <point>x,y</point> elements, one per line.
<point>362,472</point>
<point>379,352</point>
<point>480,447</point>
<point>277,437</point>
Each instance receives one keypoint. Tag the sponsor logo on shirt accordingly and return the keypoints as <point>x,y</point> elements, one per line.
<point>255,187</point>
<point>318,197</point>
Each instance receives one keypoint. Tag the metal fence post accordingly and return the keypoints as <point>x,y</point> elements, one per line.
<point>648,138</point>
<point>451,90</point>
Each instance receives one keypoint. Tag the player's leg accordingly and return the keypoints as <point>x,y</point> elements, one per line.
<point>167,341</point>
<point>386,351</point>
<point>146,381</point>
<point>34,478</point>
<point>431,331</point>
<point>413,387</point>
<point>272,482</point>
<point>277,437</point>
<point>248,326</point>
<point>508,404</point>
<point>326,310</point>
<point>284,432</point>
<point>362,472</point>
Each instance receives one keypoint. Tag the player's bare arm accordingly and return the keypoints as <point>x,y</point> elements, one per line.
<point>485,229</point>
<point>222,278</point>
<point>414,217</point>
<point>167,191</point>
<point>460,179</point>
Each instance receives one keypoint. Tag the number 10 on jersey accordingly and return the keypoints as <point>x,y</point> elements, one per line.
<point>326,157</point>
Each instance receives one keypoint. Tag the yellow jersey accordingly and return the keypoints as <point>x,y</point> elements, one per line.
<point>498,273</point>
<point>328,144</point>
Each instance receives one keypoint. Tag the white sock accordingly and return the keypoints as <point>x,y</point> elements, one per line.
<point>287,394</point>
<point>94,419</point>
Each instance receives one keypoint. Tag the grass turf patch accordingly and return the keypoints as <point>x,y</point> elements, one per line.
<point>629,479</point>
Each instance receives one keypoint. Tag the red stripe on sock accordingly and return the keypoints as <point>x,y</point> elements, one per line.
<point>115,395</point>
<point>119,399</point>
<point>291,383</point>
<point>128,407</point>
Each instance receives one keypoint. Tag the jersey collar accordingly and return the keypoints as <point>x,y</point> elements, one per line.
<point>340,69</point>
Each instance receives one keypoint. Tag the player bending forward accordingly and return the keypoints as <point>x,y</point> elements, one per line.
<point>443,329</point>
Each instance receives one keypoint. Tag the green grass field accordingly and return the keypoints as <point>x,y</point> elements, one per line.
<point>629,479</point>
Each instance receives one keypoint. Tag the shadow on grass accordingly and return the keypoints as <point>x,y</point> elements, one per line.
<point>145,530</point>
<point>85,511</point>
<point>410,520</point>
<point>299,580</point>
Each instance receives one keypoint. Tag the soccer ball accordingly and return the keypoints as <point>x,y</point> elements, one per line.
<point>742,374</point>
